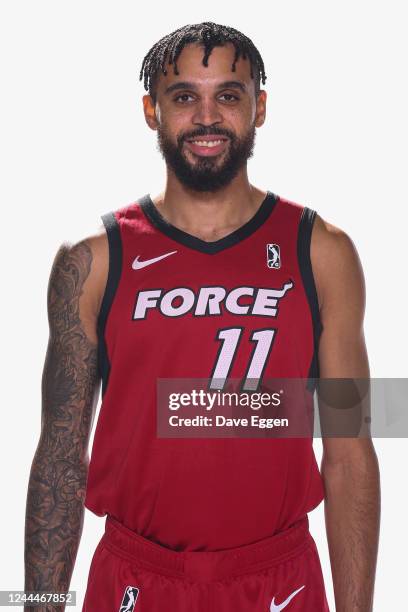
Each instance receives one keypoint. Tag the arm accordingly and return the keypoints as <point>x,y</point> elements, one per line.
<point>349,464</point>
<point>70,389</point>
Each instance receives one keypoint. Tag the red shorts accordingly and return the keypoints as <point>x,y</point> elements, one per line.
<point>131,574</point>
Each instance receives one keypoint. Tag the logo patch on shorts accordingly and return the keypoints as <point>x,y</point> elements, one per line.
<point>129,599</point>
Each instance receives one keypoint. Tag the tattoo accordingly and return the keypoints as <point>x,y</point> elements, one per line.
<point>56,490</point>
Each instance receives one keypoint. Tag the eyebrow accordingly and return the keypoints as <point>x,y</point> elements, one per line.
<point>189,85</point>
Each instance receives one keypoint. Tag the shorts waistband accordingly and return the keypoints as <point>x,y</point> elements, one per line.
<point>205,566</point>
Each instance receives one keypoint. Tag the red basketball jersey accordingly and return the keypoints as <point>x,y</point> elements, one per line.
<point>169,306</point>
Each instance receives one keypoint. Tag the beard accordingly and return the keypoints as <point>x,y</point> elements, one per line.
<point>206,173</point>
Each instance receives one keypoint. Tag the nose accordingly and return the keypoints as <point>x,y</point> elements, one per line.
<point>207,113</point>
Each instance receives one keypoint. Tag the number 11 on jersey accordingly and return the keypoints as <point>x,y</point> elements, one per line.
<point>230,339</point>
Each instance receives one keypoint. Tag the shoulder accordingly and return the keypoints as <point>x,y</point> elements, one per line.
<point>335,262</point>
<point>80,270</point>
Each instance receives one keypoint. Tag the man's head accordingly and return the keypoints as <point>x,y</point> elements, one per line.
<point>200,100</point>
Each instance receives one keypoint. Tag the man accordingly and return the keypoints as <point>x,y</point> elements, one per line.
<point>212,279</point>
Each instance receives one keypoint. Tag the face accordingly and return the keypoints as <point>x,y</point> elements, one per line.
<point>206,117</point>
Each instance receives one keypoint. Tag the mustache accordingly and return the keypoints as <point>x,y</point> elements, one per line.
<point>206,132</point>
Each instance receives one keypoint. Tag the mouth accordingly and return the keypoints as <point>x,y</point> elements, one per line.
<point>207,146</point>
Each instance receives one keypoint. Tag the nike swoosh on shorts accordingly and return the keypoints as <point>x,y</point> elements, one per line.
<point>277,607</point>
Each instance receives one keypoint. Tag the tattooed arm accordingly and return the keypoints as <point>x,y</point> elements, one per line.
<point>70,390</point>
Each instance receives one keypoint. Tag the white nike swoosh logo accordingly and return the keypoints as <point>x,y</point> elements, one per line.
<point>137,264</point>
<point>277,607</point>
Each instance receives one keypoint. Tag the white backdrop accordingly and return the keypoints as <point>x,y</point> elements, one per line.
<point>74,145</point>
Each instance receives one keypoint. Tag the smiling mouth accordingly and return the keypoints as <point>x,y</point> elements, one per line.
<point>202,142</point>
<point>207,145</point>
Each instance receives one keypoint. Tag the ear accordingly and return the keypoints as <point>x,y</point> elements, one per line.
<point>149,109</point>
<point>261,108</point>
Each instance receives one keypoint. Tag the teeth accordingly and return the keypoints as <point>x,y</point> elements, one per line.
<point>207,143</point>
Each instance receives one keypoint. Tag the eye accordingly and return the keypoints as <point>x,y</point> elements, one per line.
<point>231,97</point>
<point>184,95</point>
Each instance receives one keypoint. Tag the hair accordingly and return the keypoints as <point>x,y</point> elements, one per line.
<point>208,34</point>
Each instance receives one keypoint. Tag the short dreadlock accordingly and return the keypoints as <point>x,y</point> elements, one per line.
<point>208,34</point>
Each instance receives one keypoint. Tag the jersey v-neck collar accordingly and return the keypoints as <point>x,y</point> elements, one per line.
<point>215,246</point>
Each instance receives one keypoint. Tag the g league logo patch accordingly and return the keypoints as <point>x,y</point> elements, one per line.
<point>129,599</point>
<point>273,258</point>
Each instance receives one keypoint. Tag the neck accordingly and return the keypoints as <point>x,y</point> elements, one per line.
<point>209,215</point>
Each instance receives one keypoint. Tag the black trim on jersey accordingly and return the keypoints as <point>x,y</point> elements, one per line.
<point>115,267</point>
<point>303,251</point>
<point>215,246</point>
